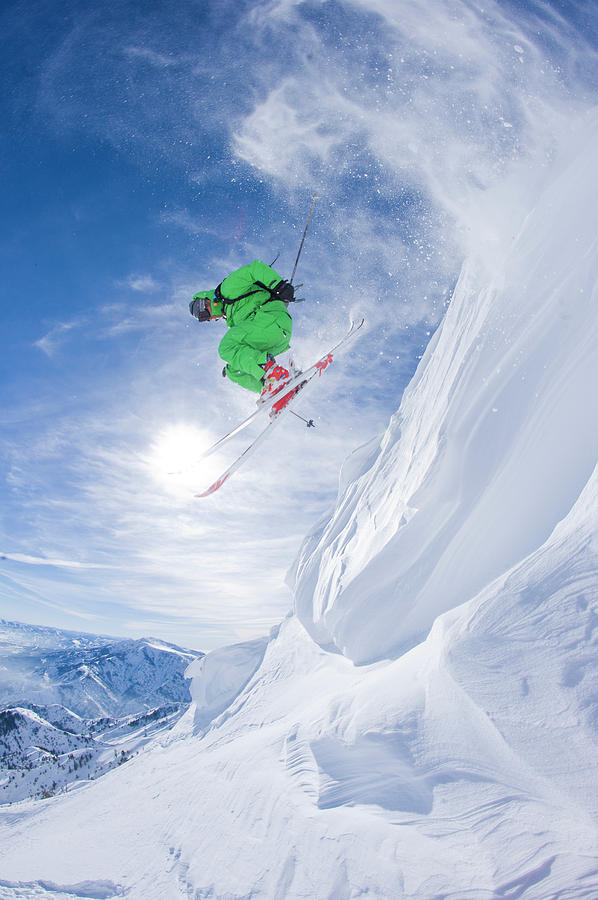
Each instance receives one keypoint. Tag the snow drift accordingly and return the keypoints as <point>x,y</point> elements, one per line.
<point>460,570</point>
<point>494,441</point>
<point>221,675</point>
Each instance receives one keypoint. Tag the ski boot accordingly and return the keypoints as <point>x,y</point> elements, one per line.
<point>274,379</point>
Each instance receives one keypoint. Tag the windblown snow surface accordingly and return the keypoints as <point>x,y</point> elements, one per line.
<point>425,725</point>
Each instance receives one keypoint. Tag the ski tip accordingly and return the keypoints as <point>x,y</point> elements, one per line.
<point>213,487</point>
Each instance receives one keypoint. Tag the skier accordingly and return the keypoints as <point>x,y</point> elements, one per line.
<point>253,300</point>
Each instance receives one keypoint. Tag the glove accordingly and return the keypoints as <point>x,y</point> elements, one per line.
<point>284,291</point>
<point>199,310</point>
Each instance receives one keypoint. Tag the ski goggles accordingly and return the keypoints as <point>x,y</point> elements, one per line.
<point>200,308</point>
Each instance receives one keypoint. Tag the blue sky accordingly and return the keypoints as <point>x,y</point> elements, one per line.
<point>148,150</point>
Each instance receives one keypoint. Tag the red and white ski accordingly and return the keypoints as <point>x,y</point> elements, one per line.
<point>261,407</point>
<point>264,405</point>
<point>276,405</point>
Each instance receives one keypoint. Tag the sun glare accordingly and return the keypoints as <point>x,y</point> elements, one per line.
<point>175,457</point>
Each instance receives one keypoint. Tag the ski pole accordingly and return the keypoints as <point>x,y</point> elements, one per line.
<point>310,423</point>
<point>314,198</point>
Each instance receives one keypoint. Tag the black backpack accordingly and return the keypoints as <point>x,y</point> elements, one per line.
<point>284,291</point>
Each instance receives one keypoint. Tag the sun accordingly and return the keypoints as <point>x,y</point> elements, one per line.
<point>175,456</point>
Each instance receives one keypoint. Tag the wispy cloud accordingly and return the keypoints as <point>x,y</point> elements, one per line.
<point>55,338</point>
<point>29,598</point>
<point>183,219</point>
<point>117,318</point>
<point>142,283</point>
<point>45,561</point>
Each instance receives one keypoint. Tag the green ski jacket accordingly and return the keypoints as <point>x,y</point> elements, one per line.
<point>257,325</point>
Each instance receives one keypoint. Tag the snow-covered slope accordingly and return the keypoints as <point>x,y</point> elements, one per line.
<point>25,730</point>
<point>495,438</point>
<point>439,737</point>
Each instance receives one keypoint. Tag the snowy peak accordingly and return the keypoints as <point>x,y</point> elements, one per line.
<point>16,636</point>
<point>73,706</point>
<point>106,678</point>
<point>492,445</point>
<point>117,678</point>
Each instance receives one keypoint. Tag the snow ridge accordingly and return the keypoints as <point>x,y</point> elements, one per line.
<point>491,447</point>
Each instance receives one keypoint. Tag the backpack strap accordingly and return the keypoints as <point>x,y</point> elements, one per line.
<point>260,286</point>
<point>226,301</point>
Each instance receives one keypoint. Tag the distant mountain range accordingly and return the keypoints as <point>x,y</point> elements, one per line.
<point>74,705</point>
